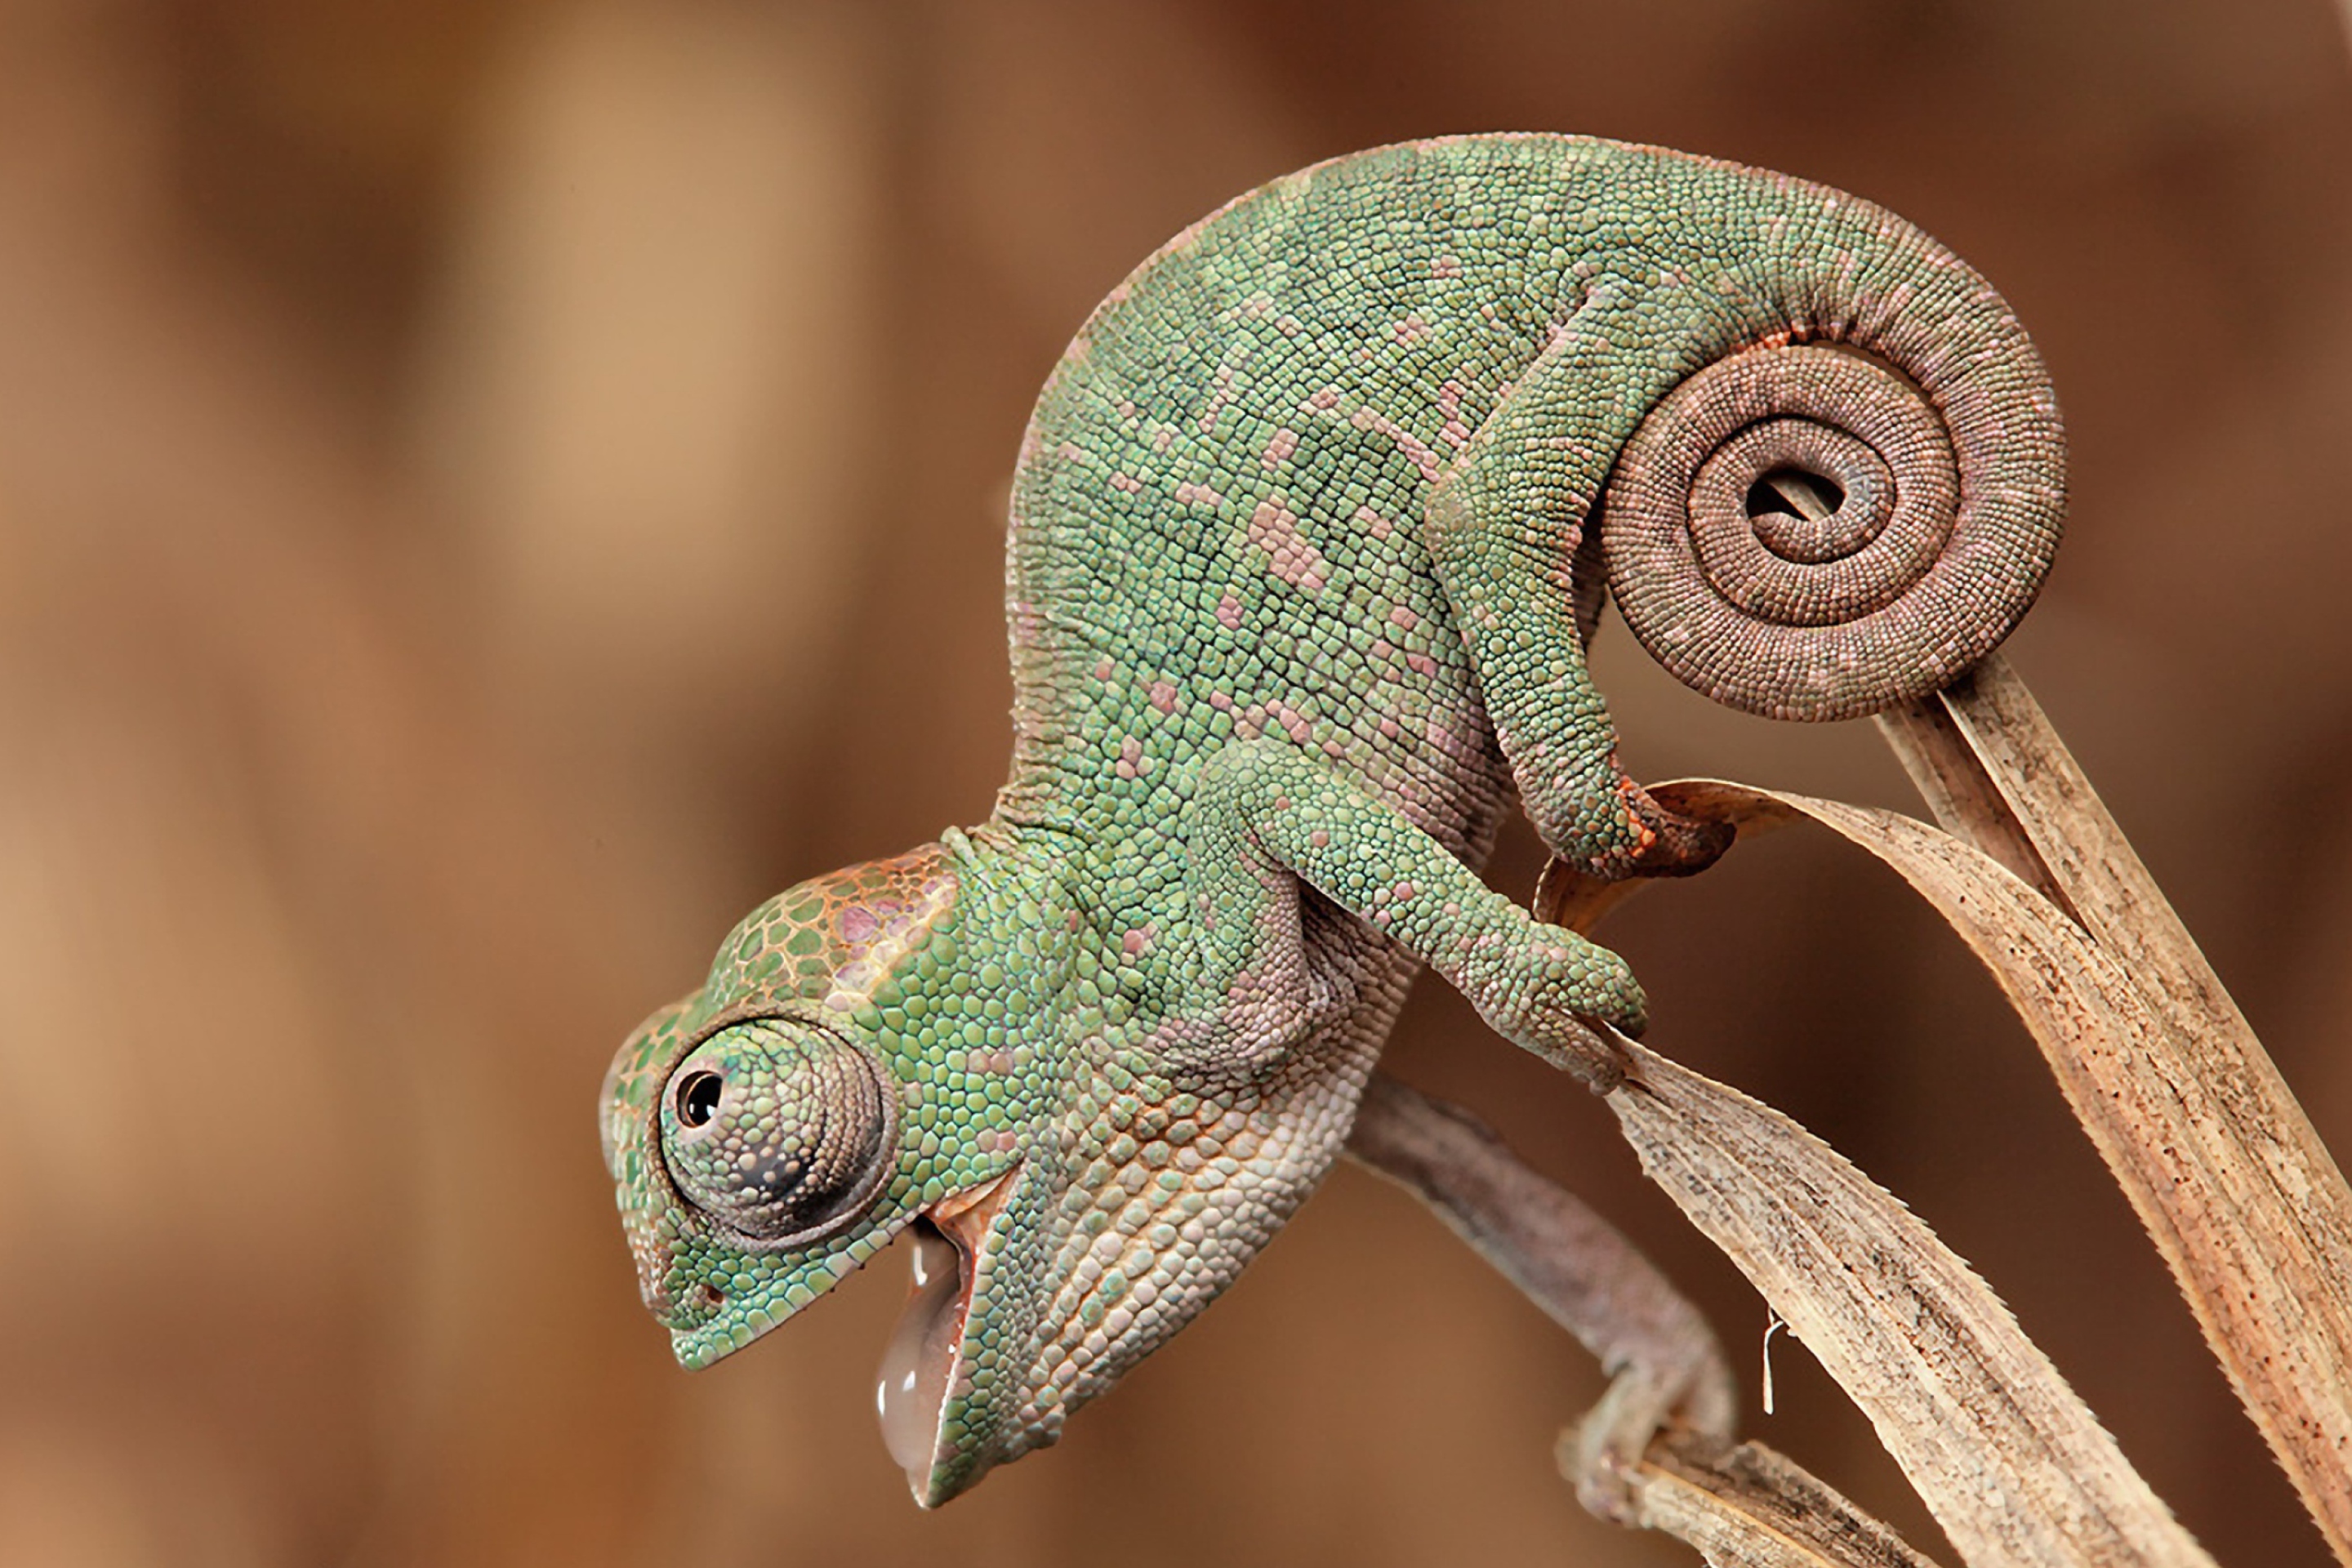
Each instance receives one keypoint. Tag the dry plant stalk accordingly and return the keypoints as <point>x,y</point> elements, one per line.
<point>2175,1091</point>
<point>1742,1504</point>
<point>2204,1137</point>
<point>1750,1507</point>
<point>2008,1458</point>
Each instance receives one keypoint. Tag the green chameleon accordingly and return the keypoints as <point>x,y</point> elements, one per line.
<point>1308,533</point>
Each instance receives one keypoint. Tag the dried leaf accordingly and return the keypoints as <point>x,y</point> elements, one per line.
<point>1750,1507</point>
<point>2010,1461</point>
<point>1743,1505</point>
<point>2227,1173</point>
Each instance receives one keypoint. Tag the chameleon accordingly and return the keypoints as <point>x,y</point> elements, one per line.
<point>1309,532</point>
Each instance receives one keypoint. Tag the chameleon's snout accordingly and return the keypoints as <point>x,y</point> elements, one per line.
<point>743,1158</point>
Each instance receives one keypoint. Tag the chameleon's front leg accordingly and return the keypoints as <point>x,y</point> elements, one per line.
<point>1265,817</point>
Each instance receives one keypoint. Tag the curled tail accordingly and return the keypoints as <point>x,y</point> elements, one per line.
<point>1743,338</point>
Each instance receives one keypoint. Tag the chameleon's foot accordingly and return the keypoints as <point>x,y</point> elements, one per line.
<point>1601,1452</point>
<point>1542,987</point>
<point>1668,845</point>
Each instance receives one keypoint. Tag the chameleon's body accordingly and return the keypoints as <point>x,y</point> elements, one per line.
<point>1296,599</point>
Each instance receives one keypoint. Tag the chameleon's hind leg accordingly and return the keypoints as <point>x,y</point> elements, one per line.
<point>1265,817</point>
<point>1665,1366</point>
<point>1507,536</point>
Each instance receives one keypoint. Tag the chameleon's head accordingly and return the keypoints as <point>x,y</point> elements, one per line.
<point>835,1082</point>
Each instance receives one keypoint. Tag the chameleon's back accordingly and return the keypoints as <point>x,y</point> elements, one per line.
<point>1220,518</point>
<point>1217,519</point>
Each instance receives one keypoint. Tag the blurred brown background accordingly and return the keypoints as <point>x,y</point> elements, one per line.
<point>490,491</point>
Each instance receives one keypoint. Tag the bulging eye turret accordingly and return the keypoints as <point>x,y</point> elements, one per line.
<point>777,1129</point>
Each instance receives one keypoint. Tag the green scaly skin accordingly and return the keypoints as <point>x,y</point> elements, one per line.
<point>1300,575</point>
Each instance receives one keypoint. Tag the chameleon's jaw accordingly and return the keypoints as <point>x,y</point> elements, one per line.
<point>925,1368</point>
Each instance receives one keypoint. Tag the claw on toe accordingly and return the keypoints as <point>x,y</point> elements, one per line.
<point>1628,1012</point>
<point>1668,845</point>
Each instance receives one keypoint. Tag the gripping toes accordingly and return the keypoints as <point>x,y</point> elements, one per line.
<point>1537,989</point>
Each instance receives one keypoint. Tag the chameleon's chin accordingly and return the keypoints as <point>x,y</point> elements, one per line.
<point>924,1364</point>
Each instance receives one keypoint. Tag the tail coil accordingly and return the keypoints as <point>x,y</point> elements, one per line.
<point>1938,520</point>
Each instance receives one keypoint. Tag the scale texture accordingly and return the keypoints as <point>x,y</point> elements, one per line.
<point>1308,530</point>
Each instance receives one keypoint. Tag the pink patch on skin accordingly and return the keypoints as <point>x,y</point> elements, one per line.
<point>1068,452</point>
<point>1389,727</point>
<point>858,925</point>
<point>1293,722</point>
<point>1383,649</point>
<point>1449,402</point>
<point>1445,267</point>
<point>1163,438</point>
<point>1217,400</point>
<point>1407,442</point>
<point>1404,617</point>
<point>1405,889</point>
<point>1323,401</point>
<point>1381,527</point>
<point>1220,701</point>
<point>1135,941</point>
<point>1127,482</point>
<point>1422,662</point>
<point>1319,839</point>
<point>1229,612</point>
<point>1275,530</point>
<point>1278,451</point>
<point>1190,494</point>
<point>1412,330</point>
<point>1163,697</point>
<point>1102,669</point>
<point>1130,758</point>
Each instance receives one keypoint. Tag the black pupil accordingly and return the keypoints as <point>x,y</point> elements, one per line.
<point>1768,494</point>
<point>697,1098</point>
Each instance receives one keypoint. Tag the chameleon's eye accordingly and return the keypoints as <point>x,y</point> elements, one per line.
<point>777,1130</point>
<point>697,1096</point>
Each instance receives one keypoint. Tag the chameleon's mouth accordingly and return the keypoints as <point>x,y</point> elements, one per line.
<point>926,1353</point>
